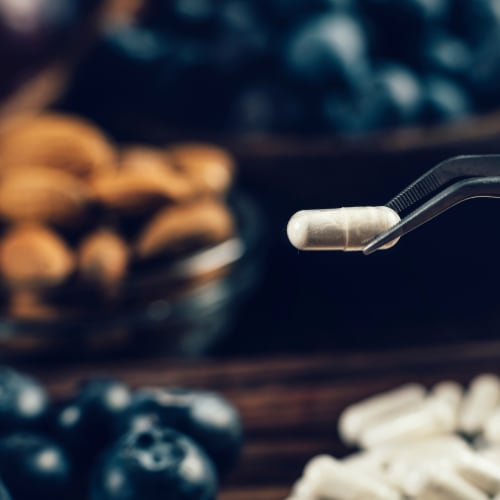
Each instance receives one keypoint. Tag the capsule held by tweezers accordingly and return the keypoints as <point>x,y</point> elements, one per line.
<point>347,229</point>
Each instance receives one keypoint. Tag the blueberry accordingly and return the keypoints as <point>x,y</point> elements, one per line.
<point>23,402</point>
<point>85,424</point>
<point>155,464</point>
<point>444,100</point>
<point>327,50</point>
<point>204,416</point>
<point>397,95</point>
<point>33,467</point>
<point>485,76</point>
<point>443,53</point>
<point>4,494</point>
<point>391,97</point>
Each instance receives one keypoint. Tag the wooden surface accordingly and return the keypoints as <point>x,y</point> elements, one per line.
<point>289,404</point>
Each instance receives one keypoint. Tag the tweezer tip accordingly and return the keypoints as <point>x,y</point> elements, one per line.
<point>372,247</point>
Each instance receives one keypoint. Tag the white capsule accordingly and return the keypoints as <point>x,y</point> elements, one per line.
<point>449,390</point>
<point>412,461</point>
<point>331,479</point>
<point>302,490</point>
<point>452,393</point>
<point>479,403</point>
<point>359,416</point>
<point>444,484</point>
<point>479,471</point>
<point>372,461</point>
<point>491,453</point>
<point>347,229</point>
<point>491,428</point>
<point>429,418</point>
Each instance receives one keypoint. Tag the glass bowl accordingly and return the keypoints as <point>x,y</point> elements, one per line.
<point>179,307</point>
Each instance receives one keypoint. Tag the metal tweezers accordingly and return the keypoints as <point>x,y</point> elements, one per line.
<point>441,188</point>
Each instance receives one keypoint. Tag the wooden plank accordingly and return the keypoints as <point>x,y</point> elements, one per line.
<point>270,493</point>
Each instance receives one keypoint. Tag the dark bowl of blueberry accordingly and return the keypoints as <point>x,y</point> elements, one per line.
<point>283,77</point>
<point>107,442</point>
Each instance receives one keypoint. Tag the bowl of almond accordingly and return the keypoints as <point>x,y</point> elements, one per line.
<point>106,248</point>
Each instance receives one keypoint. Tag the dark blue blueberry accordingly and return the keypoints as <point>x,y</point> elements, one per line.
<point>137,45</point>
<point>155,464</point>
<point>443,53</point>
<point>444,100</point>
<point>397,95</point>
<point>86,424</point>
<point>34,467</point>
<point>4,494</point>
<point>23,402</point>
<point>327,50</point>
<point>391,97</point>
<point>204,416</point>
<point>485,73</point>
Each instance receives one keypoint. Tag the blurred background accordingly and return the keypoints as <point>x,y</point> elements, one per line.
<point>293,104</point>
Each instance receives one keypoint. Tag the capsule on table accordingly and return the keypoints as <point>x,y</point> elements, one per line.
<point>491,453</point>
<point>445,484</point>
<point>347,229</point>
<point>301,490</point>
<point>452,393</point>
<point>431,417</point>
<point>479,403</point>
<point>357,417</point>
<point>333,480</point>
<point>491,428</point>
<point>479,471</point>
<point>411,462</point>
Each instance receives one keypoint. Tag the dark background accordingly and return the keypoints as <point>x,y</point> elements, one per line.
<point>438,284</point>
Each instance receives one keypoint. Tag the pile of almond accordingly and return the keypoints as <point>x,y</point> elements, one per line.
<point>77,211</point>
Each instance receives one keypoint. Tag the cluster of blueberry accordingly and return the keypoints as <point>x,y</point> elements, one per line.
<point>108,443</point>
<point>343,66</point>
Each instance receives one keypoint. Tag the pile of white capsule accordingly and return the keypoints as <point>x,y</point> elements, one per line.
<point>441,444</point>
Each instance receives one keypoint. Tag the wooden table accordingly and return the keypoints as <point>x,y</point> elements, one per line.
<point>289,404</point>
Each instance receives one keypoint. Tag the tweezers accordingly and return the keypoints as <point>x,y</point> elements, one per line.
<point>447,184</point>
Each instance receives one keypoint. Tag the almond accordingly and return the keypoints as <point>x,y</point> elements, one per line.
<point>42,194</point>
<point>30,305</point>
<point>132,190</point>
<point>187,226</point>
<point>145,159</point>
<point>209,167</point>
<point>103,259</point>
<point>33,256</point>
<point>58,141</point>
